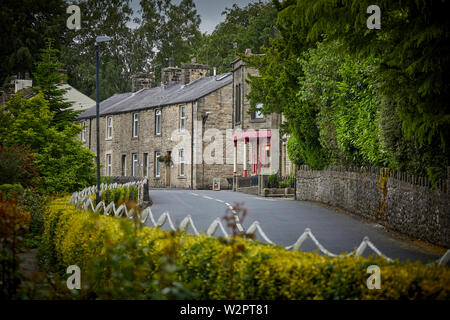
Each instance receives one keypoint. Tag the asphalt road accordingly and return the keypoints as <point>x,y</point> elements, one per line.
<point>284,220</point>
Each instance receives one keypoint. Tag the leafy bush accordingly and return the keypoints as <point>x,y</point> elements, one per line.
<point>60,159</point>
<point>261,271</point>
<point>272,181</point>
<point>11,191</point>
<point>14,222</point>
<point>16,166</point>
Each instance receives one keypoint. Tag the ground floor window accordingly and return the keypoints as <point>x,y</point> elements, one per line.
<point>124,165</point>
<point>157,164</point>
<point>135,164</point>
<point>181,167</point>
<point>145,165</point>
<point>109,165</point>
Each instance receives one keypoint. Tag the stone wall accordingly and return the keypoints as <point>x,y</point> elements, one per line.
<point>400,202</point>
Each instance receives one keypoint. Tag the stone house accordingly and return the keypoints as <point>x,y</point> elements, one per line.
<point>140,129</point>
<point>259,147</point>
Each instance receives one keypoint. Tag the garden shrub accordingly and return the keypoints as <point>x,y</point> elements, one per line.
<point>14,222</point>
<point>201,264</point>
<point>272,181</point>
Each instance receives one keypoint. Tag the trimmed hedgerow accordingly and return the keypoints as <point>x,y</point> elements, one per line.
<point>260,271</point>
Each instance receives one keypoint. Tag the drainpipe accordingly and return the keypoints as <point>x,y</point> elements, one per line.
<point>192,147</point>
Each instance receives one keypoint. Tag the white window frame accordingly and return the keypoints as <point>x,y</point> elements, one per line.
<point>108,164</point>
<point>83,132</point>
<point>135,164</point>
<point>182,118</point>
<point>135,125</point>
<point>158,123</point>
<point>182,167</point>
<point>157,164</point>
<point>109,128</point>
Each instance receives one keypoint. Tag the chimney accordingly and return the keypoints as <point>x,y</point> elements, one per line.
<point>215,71</point>
<point>193,71</point>
<point>142,81</point>
<point>248,52</point>
<point>171,62</point>
<point>63,74</point>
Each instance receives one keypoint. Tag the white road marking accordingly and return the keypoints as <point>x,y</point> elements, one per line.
<point>209,198</point>
<point>218,200</point>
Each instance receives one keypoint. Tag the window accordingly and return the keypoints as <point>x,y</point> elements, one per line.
<point>267,154</point>
<point>181,167</point>
<point>145,164</point>
<point>157,164</point>
<point>109,165</point>
<point>158,122</point>
<point>182,117</point>
<point>135,125</point>
<point>237,116</point>
<point>135,165</point>
<point>109,128</point>
<point>258,114</point>
<point>83,132</point>
<point>124,165</point>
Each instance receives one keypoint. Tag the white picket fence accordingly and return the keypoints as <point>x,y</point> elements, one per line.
<point>83,200</point>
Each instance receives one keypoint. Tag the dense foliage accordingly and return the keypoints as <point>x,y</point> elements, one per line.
<point>153,261</point>
<point>357,96</point>
<point>60,159</point>
<point>248,27</point>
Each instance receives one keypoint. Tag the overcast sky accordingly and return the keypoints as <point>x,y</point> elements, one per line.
<point>209,11</point>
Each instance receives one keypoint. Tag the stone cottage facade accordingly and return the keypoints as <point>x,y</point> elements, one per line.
<point>140,129</point>
<point>259,147</point>
<point>187,132</point>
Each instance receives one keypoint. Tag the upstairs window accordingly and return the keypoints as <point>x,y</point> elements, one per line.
<point>158,122</point>
<point>258,114</point>
<point>182,118</point>
<point>135,125</point>
<point>109,128</point>
<point>237,99</point>
<point>83,132</point>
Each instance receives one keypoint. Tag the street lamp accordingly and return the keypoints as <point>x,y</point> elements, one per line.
<point>98,40</point>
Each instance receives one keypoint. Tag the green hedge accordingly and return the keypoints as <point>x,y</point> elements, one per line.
<point>217,268</point>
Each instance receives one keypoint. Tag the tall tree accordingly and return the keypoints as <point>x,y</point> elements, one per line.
<point>245,27</point>
<point>24,26</point>
<point>413,50</point>
<point>101,17</point>
<point>172,30</point>
<point>48,81</point>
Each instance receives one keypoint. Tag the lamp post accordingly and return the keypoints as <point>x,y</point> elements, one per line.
<point>98,40</point>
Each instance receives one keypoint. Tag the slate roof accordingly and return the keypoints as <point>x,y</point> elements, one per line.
<point>160,96</point>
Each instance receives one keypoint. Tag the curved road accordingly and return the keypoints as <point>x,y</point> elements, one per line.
<point>284,220</point>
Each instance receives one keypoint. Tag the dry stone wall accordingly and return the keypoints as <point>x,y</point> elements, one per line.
<point>399,202</point>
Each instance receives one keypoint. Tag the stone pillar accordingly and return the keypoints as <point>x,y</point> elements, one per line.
<point>245,157</point>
